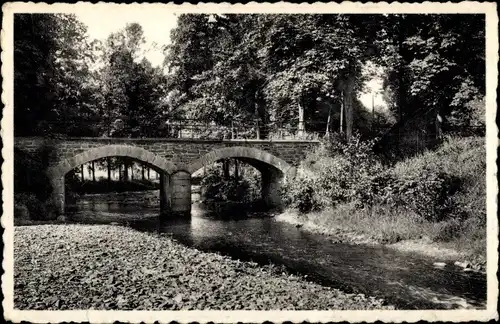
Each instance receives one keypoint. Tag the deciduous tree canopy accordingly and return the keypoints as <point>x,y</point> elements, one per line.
<point>275,69</point>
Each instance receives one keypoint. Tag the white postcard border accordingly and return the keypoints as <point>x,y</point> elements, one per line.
<point>489,9</point>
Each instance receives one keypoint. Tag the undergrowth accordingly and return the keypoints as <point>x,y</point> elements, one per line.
<point>439,195</point>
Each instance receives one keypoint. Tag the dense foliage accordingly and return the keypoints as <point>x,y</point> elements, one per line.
<point>434,62</point>
<point>241,188</point>
<point>66,84</point>
<point>277,69</point>
<point>31,185</point>
<point>54,86</point>
<point>438,185</point>
<point>282,68</point>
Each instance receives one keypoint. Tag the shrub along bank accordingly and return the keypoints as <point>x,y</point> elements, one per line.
<point>237,188</point>
<point>104,186</point>
<point>32,187</point>
<point>438,197</point>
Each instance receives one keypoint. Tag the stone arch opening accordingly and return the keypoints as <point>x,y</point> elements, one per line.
<point>57,173</point>
<point>273,169</point>
<point>258,157</point>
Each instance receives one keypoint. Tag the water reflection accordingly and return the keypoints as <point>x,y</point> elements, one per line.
<point>407,280</point>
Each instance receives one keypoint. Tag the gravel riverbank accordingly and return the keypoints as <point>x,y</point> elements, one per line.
<point>113,267</point>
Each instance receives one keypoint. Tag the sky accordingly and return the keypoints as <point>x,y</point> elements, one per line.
<point>157,25</point>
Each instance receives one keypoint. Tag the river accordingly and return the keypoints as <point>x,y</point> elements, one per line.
<point>406,280</point>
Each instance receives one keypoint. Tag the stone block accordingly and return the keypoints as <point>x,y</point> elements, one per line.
<point>112,150</point>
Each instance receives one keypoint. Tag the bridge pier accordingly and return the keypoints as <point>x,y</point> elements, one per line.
<point>271,184</point>
<point>180,192</point>
<point>58,194</point>
<point>165,199</point>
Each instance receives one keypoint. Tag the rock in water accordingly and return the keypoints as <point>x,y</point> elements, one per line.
<point>439,264</point>
<point>464,265</point>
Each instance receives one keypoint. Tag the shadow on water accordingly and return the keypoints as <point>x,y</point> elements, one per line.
<point>406,280</point>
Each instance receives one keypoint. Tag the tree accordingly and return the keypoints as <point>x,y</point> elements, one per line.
<point>133,88</point>
<point>265,67</point>
<point>291,70</point>
<point>52,81</point>
<point>189,52</point>
<point>34,50</point>
<point>433,62</point>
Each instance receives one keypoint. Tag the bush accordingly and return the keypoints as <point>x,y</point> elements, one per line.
<point>300,194</point>
<point>339,171</point>
<point>448,182</point>
<point>31,185</point>
<point>29,174</point>
<point>215,187</point>
<point>426,193</point>
<point>37,210</point>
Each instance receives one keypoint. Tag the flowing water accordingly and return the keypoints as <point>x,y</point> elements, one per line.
<point>407,280</point>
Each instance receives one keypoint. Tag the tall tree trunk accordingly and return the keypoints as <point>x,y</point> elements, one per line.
<point>262,116</point>
<point>132,170</point>
<point>342,112</point>
<point>82,172</point>
<point>402,89</point>
<point>225,168</point>
<point>120,178</point>
<point>108,165</point>
<point>301,127</point>
<point>236,170</point>
<point>125,171</point>
<point>329,119</point>
<point>149,173</point>
<point>438,123</point>
<point>348,96</point>
<point>143,177</point>
<point>93,170</point>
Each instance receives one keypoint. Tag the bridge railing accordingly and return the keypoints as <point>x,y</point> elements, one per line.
<point>250,130</point>
<point>185,128</point>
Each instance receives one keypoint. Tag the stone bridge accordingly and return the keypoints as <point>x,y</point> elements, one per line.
<point>174,159</point>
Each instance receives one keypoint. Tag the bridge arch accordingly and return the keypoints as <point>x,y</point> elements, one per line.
<point>273,169</point>
<point>248,154</point>
<point>57,173</point>
<point>134,152</point>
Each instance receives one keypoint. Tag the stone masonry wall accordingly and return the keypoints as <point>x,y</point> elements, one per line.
<point>181,152</point>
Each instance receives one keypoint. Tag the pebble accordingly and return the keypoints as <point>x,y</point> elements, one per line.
<point>138,270</point>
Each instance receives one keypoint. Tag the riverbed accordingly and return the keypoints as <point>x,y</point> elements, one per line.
<point>103,267</point>
<point>406,280</point>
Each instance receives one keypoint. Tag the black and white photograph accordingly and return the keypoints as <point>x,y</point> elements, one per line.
<point>249,158</point>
